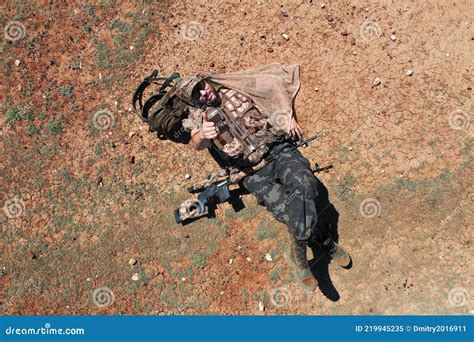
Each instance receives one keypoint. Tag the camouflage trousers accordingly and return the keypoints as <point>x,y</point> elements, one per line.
<point>288,189</point>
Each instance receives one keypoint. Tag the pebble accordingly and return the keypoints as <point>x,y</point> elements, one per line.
<point>323,5</point>
<point>221,293</point>
<point>285,36</point>
<point>354,53</point>
<point>350,148</point>
<point>17,62</point>
<point>377,81</point>
<point>89,279</point>
<point>132,47</point>
<point>316,88</point>
<point>268,257</point>
<point>393,37</point>
<point>269,49</point>
<point>132,261</point>
<point>231,261</point>
<point>353,41</point>
<point>135,277</point>
<point>283,11</point>
<point>187,176</point>
<point>249,259</point>
<point>261,307</point>
<point>410,72</point>
<point>183,279</point>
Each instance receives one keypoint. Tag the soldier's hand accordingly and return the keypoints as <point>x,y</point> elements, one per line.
<point>208,130</point>
<point>295,129</point>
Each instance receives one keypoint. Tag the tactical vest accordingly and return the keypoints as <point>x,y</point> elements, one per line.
<point>243,133</point>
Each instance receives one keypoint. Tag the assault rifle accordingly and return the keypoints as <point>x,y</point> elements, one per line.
<point>216,188</point>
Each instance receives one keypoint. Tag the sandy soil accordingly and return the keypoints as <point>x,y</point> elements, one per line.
<point>386,87</point>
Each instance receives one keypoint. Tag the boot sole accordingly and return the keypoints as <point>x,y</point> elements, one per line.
<point>293,266</point>
<point>348,265</point>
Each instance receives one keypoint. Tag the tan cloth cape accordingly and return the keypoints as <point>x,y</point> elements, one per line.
<point>272,88</point>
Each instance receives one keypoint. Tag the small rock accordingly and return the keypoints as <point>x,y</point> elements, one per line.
<point>353,41</point>
<point>268,257</point>
<point>393,37</point>
<point>132,261</point>
<point>231,261</point>
<point>131,134</point>
<point>17,62</point>
<point>221,293</point>
<point>132,47</point>
<point>354,53</point>
<point>285,36</point>
<point>283,11</point>
<point>409,72</point>
<point>183,279</point>
<point>116,103</point>
<point>323,5</point>
<point>350,148</point>
<point>377,81</point>
<point>249,259</point>
<point>187,176</point>
<point>261,307</point>
<point>89,279</point>
<point>269,49</point>
<point>344,33</point>
<point>316,88</point>
<point>135,277</point>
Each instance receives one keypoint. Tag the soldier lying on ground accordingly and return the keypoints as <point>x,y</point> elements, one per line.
<point>287,186</point>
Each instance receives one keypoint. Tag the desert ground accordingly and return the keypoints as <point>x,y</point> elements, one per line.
<point>88,194</point>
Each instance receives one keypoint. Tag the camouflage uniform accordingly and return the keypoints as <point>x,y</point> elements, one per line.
<point>288,189</point>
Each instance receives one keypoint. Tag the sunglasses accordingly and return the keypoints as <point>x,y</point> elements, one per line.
<point>196,93</point>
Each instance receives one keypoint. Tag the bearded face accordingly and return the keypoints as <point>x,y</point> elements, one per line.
<point>206,95</point>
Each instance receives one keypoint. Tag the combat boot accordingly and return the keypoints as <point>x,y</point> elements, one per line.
<point>341,256</point>
<point>296,258</point>
<point>338,254</point>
